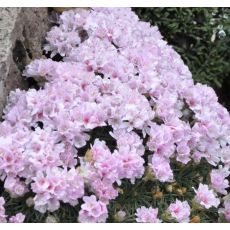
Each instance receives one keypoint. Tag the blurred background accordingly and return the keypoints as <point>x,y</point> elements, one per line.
<point>202,37</point>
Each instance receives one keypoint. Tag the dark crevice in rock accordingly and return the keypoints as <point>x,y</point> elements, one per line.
<point>29,53</point>
<point>53,17</point>
<point>19,55</point>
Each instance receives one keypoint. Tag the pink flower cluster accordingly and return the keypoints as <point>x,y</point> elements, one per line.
<point>57,185</point>
<point>101,168</point>
<point>116,72</point>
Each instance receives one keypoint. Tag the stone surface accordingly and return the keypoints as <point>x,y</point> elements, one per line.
<point>22,34</point>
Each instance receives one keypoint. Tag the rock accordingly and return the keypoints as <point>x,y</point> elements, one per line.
<point>22,34</point>
<point>62,9</point>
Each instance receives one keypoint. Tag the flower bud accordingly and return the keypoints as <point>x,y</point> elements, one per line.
<point>51,219</point>
<point>148,176</point>
<point>196,206</point>
<point>195,219</point>
<point>174,185</point>
<point>169,188</point>
<point>88,155</point>
<point>30,202</point>
<point>158,195</point>
<point>120,190</point>
<point>184,190</point>
<point>167,217</point>
<point>179,192</point>
<point>119,216</point>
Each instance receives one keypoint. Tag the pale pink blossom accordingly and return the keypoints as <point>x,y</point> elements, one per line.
<point>226,210</point>
<point>180,211</point>
<point>18,218</point>
<point>2,211</point>
<point>92,211</point>
<point>206,197</point>
<point>161,168</point>
<point>15,187</point>
<point>147,215</point>
<point>219,183</point>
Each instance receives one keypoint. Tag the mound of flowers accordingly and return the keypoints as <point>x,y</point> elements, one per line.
<point>120,107</point>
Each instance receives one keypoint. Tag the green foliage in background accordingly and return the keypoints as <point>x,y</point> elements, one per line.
<point>200,35</point>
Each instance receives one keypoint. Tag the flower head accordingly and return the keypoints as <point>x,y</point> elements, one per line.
<point>147,215</point>
<point>92,211</point>
<point>18,218</point>
<point>219,183</point>
<point>180,211</point>
<point>206,197</point>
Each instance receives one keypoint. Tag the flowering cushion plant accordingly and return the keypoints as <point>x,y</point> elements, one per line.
<point>119,120</point>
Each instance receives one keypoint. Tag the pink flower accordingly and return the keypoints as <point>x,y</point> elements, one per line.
<point>15,187</point>
<point>57,185</point>
<point>161,168</point>
<point>128,141</point>
<point>161,140</point>
<point>206,197</point>
<point>73,186</point>
<point>180,211</point>
<point>11,161</point>
<point>62,41</point>
<point>183,151</point>
<point>18,218</point>
<point>104,190</point>
<point>100,151</point>
<point>2,211</point>
<point>147,215</point>
<point>131,165</point>
<point>219,183</point>
<point>92,211</point>
<point>226,210</point>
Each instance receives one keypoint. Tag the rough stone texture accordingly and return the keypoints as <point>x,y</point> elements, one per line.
<point>22,33</point>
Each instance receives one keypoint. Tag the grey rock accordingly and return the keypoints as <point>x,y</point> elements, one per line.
<point>22,34</point>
